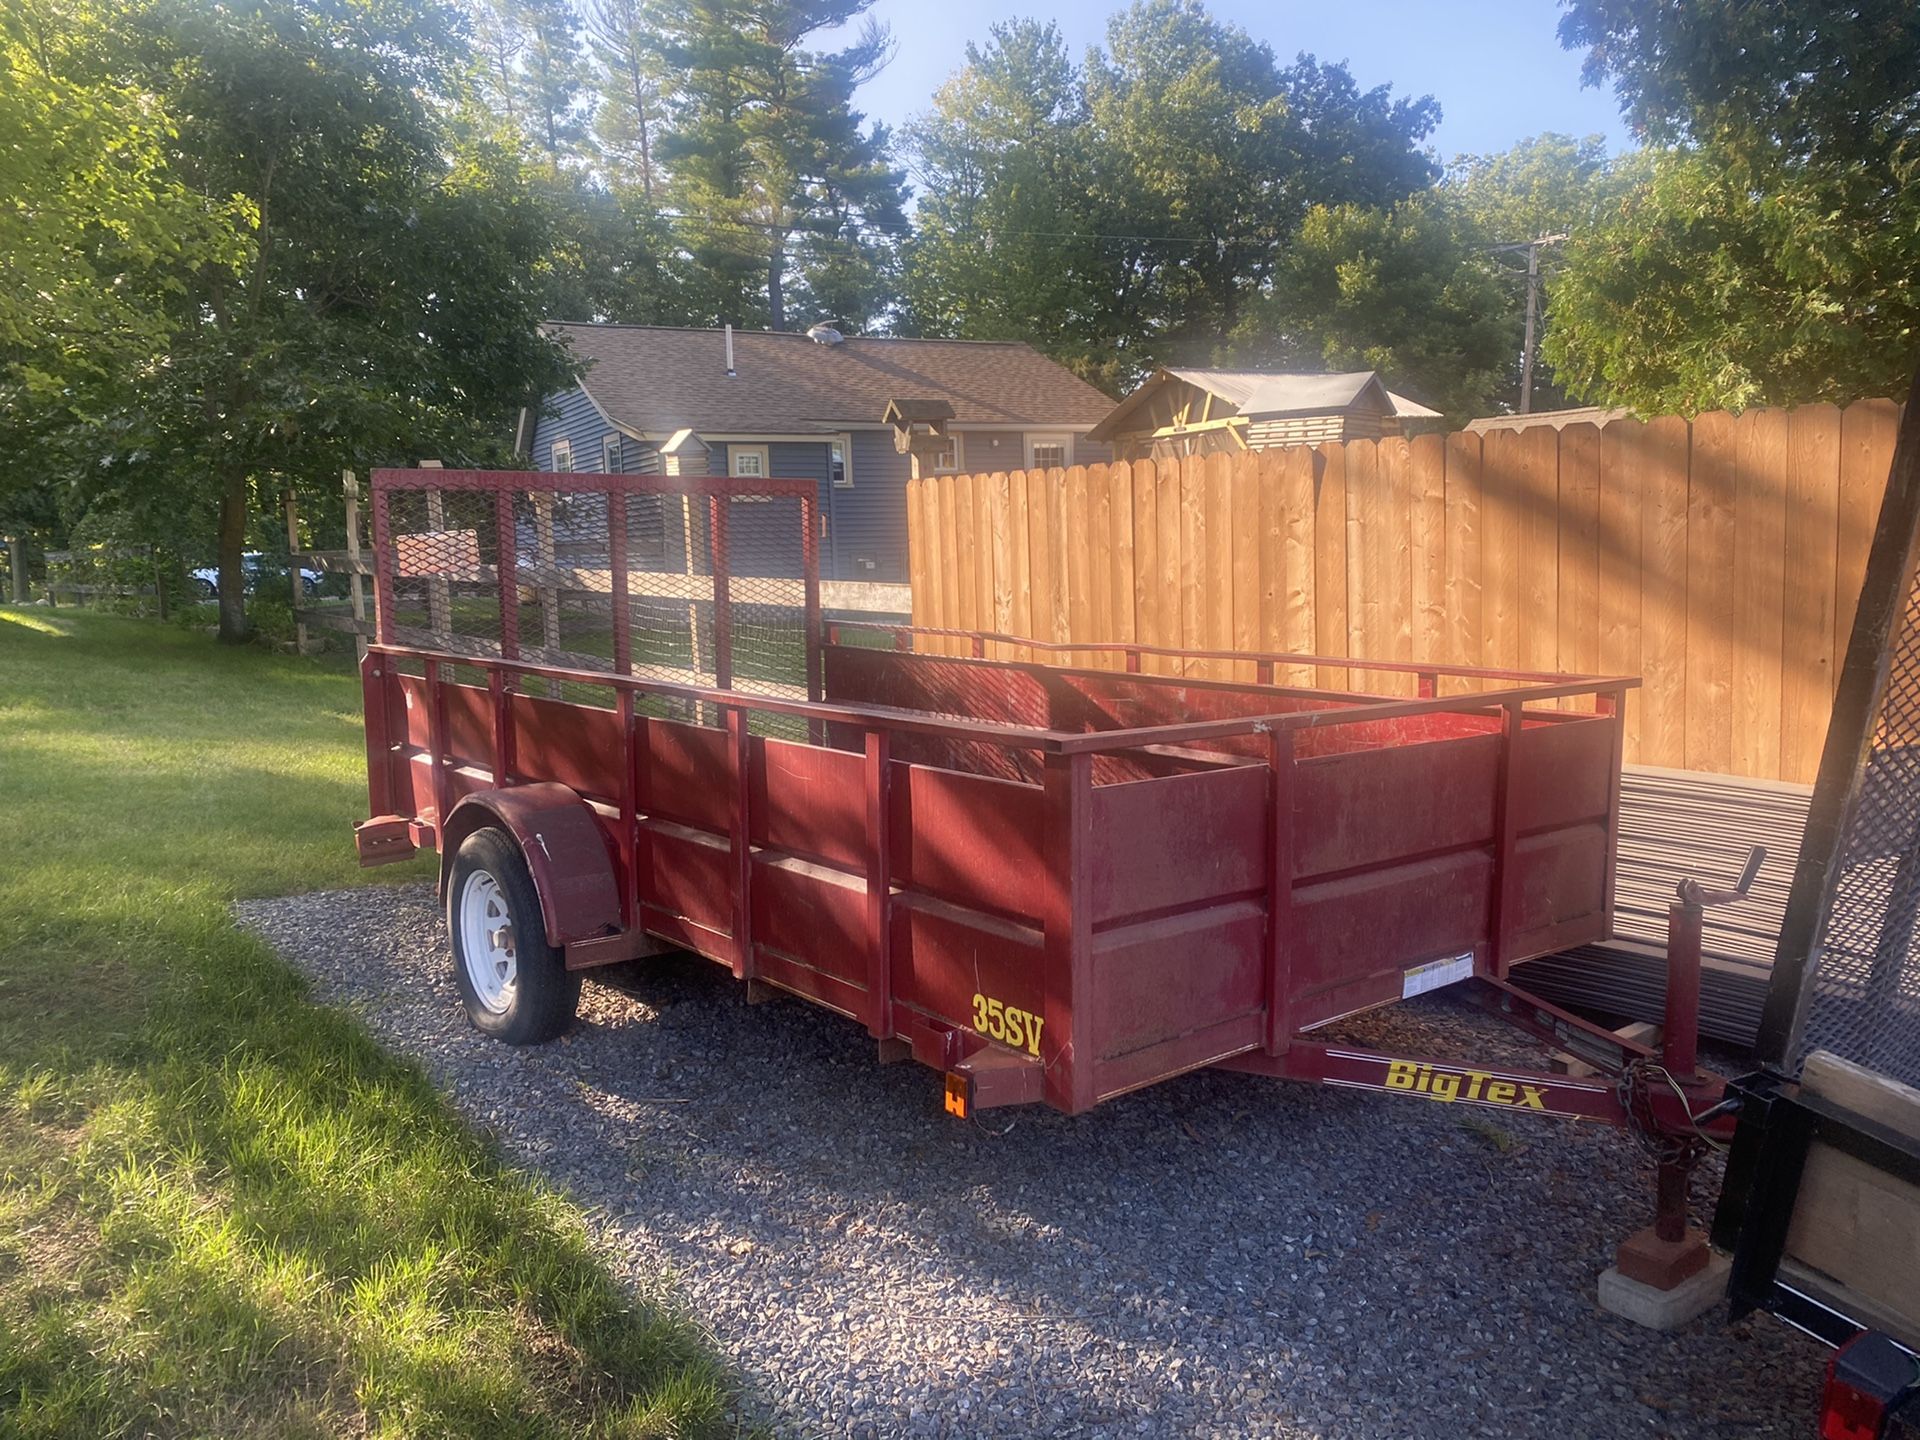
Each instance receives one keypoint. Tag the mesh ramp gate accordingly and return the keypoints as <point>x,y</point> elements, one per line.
<point>1846,979</point>
<point>704,581</point>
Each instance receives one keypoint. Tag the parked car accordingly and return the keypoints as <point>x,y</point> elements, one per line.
<point>259,569</point>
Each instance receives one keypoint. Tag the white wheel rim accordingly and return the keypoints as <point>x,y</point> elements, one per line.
<point>487,941</point>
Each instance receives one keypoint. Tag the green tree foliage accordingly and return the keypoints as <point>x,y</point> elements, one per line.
<point>766,150</point>
<point>1002,248</point>
<point>1394,290</point>
<point>534,74</point>
<point>92,221</point>
<point>381,306</point>
<point>630,79</point>
<point>1767,249</point>
<point>1130,210</point>
<point>1544,186</point>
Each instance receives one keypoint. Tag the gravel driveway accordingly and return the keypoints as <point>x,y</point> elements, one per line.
<point>1220,1255</point>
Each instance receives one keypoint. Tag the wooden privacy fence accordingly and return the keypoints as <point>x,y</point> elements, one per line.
<point>1720,560</point>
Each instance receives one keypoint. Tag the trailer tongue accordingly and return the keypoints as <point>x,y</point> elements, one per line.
<point>1053,873</point>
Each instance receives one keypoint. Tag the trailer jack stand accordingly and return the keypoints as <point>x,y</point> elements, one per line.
<point>1669,1250</point>
<point>1665,1274</point>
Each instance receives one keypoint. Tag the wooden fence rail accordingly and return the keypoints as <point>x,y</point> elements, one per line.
<point>1721,560</point>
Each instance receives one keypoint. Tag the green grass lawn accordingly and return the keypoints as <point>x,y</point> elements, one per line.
<point>223,1211</point>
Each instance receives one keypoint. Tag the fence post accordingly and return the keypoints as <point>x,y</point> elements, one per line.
<point>350,492</point>
<point>297,598</point>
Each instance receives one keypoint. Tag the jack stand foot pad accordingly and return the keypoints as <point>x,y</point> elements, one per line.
<point>1665,1309</point>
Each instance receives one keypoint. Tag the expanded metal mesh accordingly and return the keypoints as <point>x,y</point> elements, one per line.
<point>1864,1001</point>
<point>716,576</point>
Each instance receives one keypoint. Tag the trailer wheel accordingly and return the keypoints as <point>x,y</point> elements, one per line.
<point>516,986</point>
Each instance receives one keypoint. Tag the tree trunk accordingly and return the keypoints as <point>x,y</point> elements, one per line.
<point>233,548</point>
<point>776,289</point>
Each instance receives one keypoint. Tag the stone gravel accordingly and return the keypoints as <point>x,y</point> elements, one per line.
<point>1219,1255</point>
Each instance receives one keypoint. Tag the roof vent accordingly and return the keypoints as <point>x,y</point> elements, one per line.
<point>825,334</point>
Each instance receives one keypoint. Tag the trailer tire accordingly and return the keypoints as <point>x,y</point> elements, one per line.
<point>514,985</point>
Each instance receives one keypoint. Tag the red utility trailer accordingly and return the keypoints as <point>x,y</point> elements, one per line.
<point>1053,873</point>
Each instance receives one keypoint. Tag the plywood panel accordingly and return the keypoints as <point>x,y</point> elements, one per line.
<point>1578,649</point>
<point>1666,448</point>
<point>1867,431</point>
<point>1759,588</point>
<point>1808,658</point>
<point>1711,635</point>
<point>1617,538</point>
<point>1330,563</point>
<point>1464,511</point>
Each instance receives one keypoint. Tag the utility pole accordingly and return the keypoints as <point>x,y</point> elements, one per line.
<point>1533,317</point>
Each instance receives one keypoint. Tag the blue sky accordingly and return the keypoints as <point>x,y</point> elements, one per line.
<point>1495,66</point>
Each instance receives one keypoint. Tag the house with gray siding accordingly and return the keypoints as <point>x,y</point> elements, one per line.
<point>664,400</point>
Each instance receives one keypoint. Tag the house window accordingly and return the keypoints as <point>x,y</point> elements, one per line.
<point>946,460</point>
<point>562,455</point>
<point>747,461</point>
<point>1049,452</point>
<point>837,468</point>
<point>610,454</point>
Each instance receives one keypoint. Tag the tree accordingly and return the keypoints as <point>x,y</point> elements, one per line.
<point>382,305</point>
<point>1544,186</point>
<point>93,220</point>
<point>535,74</point>
<point>1214,153</point>
<point>1131,210</point>
<point>1392,290</point>
<point>631,76</point>
<point>1766,249</point>
<point>766,145</point>
<point>1001,248</point>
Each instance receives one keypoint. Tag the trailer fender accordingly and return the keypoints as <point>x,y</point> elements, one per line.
<point>565,849</point>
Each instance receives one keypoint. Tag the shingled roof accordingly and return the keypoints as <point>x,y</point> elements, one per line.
<point>656,378</point>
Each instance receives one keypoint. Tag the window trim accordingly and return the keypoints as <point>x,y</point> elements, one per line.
<point>959,466</point>
<point>845,442</point>
<point>561,462</point>
<point>734,452</point>
<point>610,456</point>
<point>1062,438</point>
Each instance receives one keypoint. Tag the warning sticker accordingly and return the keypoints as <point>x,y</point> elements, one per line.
<point>1435,974</point>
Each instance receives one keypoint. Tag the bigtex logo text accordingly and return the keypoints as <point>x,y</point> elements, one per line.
<point>1474,1085</point>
